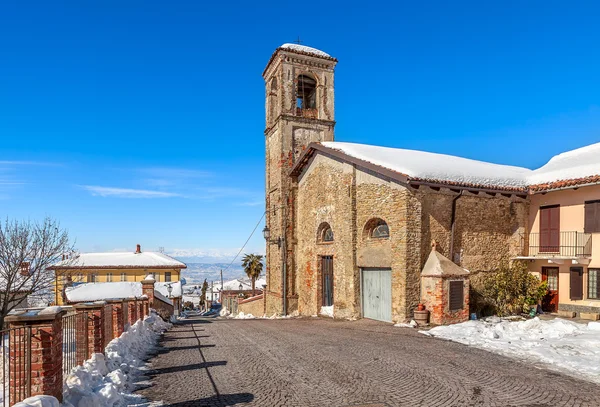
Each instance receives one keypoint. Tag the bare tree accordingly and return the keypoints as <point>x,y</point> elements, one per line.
<point>27,249</point>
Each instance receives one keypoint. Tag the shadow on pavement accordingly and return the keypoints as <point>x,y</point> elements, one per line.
<point>206,365</point>
<point>222,400</point>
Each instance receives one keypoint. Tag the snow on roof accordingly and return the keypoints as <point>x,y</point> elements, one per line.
<point>103,291</point>
<point>120,260</point>
<point>304,48</point>
<point>162,288</point>
<point>579,163</point>
<point>428,166</point>
<point>163,298</point>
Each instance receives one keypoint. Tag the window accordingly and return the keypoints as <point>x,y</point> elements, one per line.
<point>550,229</point>
<point>123,277</point>
<point>109,277</point>
<point>593,286</point>
<point>576,280</point>
<point>456,295</point>
<point>167,276</point>
<point>592,217</point>
<point>79,278</point>
<point>376,228</point>
<point>306,94</point>
<point>324,233</point>
<point>93,278</point>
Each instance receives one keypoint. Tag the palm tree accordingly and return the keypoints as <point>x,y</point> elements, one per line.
<point>253,266</point>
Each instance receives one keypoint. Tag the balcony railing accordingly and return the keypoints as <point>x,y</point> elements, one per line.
<point>569,244</point>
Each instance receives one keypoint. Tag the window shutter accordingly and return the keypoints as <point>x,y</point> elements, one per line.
<point>576,281</point>
<point>590,217</point>
<point>456,295</point>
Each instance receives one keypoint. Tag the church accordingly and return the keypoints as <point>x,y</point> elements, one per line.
<point>350,227</point>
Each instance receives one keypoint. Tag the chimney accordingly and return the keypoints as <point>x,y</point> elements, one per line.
<point>138,249</point>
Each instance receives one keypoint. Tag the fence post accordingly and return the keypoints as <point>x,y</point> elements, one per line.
<point>146,303</point>
<point>44,356</point>
<point>140,310</point>
<point>118,323</point>
<point>132,311</point>
<point>125,312</point>
<point>95,323</point>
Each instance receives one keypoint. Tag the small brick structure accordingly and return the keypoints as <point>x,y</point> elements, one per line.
<point>46,352</point>
<point>444,289</point>
<point>118,317</point>
<point>133,310</point>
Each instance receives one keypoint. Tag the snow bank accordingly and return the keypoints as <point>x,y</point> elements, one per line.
<point>559,344</point>
<point>39,401</point>
<point>327,311</point>
<point>108,381</point>
<point>241,315</point>
<point>103,291</point>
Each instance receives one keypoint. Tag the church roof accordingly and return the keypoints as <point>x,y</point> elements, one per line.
<point>304,49</point>
<point>576,167</point>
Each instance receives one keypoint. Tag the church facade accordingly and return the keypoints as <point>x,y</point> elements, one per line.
<point>351,234</point>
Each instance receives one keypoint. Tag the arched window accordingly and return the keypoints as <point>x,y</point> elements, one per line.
<point>306,95</point>
<point>325,233</point>
<point>377,229</point>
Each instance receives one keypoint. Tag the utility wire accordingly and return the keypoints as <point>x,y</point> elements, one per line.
<point>249,237</point>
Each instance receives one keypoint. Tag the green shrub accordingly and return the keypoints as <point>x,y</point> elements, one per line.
<point>512,290</point>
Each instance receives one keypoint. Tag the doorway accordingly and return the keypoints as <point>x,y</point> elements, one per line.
<point>550,300</point>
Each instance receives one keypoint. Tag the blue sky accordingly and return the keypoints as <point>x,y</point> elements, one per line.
<point>142,121</point>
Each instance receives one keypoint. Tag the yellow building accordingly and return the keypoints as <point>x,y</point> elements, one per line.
<point>114,267</point>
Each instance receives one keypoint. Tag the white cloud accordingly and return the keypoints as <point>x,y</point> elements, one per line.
<point>127,193</point>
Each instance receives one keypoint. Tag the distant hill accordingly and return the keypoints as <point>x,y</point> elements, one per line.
<point>197,272</point>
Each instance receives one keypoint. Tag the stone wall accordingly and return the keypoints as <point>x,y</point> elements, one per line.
<point>488,232</point>
<point>252,305</point>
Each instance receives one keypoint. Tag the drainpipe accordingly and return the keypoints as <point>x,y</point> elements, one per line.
<point>453,224</point>
<point>284,262</point>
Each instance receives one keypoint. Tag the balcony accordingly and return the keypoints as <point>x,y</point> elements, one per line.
<point>565,245</point>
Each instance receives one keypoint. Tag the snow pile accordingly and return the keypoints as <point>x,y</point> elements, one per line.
<point>107,381</point>
<point>120,259</point>
<point>327,311</point>
<point>241,315</point>
<point>411,324</point>
<point>304,48</point>
<point>562,345</point>
<point>224,312</point>
<point>39,401</point>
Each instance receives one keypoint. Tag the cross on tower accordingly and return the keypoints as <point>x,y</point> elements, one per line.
<point>298,41</point>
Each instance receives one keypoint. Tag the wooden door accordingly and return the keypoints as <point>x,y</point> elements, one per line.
<point>550,229</point>
<point>327,281</point>
<point>550,301</point>
<point>377,294</point>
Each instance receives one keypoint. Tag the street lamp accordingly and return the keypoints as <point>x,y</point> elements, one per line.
<point>267,235</point>
<point>169,290</point>
<point>241,287</point>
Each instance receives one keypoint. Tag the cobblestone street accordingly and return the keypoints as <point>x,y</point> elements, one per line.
<point>321,362</point>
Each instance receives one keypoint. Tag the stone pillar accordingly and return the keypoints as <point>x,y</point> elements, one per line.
<point>146,306</point>
<point>117,318</point>
<point>95,333</point>
<point>36,350</point>
<point>81,326</point>
<point>148,289</point>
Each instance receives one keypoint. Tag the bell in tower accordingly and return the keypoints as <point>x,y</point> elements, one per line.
<point>299,110</point>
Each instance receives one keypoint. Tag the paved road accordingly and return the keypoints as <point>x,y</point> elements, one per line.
<point>322,362</point>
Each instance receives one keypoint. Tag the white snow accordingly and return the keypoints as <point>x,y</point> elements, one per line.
<point>103,291</point>
<point>241,315</point>
<point>158,295</point>
<point>108,381</point>
<point>304,48</point>
<point>50,310</point>
<point>162,288</point>
<point>559,344</point>
<point>327,311</point>
<point>39,401</point>
<point>411,324</point>
<point>121,259</point>
<point>580,163</point>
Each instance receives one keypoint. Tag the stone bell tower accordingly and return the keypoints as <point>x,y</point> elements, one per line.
<point>299,110</point>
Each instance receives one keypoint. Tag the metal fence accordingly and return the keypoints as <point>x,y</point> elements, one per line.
<point>15,363</point>
<point>75,340</point>
<point>568,244</point>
